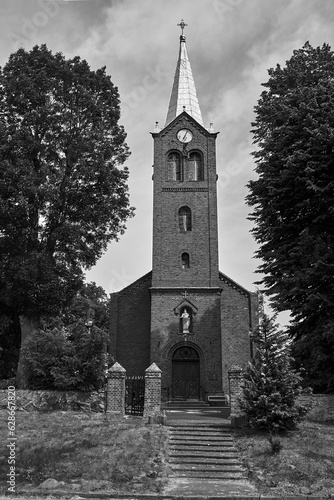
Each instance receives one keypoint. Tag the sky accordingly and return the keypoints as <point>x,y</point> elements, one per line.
<point>231,44</point>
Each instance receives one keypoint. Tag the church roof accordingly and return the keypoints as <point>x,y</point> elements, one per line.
<point>183,96</point>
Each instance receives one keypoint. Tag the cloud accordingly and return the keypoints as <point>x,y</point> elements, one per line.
<point>231,44</point>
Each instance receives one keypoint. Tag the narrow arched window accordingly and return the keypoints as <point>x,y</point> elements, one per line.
<point>185,260</point>
<point>196,169</point>
<point>184,219</point>
<point>174,167</point>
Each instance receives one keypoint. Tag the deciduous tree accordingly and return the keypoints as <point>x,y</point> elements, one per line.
<point>63,190</point>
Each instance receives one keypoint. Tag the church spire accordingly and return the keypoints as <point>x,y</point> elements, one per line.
<point>183,96</point>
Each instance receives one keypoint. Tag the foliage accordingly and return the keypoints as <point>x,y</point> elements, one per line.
<point>91,302</point>
<point>67,354</point>
<point>292,201</point>
<point>271,384</point>
<point>63,195</point>
<point>9,342</point>
<point>61,358</point>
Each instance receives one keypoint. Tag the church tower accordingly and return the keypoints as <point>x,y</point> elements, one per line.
<point>185,315</point>
<point>185,274</point>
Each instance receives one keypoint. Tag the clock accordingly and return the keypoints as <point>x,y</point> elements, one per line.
<point>184,135</point>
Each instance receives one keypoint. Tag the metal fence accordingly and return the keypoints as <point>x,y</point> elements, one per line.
<point>134,395</point>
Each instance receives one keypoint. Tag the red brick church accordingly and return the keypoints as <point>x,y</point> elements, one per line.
<point>185,315</point>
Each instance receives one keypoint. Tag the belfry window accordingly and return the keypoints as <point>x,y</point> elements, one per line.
<point>185,260</point>
<point>184,219</point>
<point>174,167</point>
<point>195,167</point>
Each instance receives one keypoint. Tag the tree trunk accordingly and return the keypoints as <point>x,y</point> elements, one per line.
<point>28,325</point>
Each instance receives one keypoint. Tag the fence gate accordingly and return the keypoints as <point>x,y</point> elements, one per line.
<point>134,395</point>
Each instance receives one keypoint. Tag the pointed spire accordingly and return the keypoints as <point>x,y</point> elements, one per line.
<point>183,96</point>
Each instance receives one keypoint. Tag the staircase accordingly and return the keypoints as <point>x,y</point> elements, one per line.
<point>185,405</point>
<point>203,451</point>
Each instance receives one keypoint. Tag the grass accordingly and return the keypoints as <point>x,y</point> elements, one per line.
<point>87,452</point>
<point>302,463</point>
<point>123,455</point>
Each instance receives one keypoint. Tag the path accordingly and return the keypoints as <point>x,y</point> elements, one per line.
<point>203,458</point>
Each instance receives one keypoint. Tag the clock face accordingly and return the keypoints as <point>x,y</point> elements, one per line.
<point>184,135</point>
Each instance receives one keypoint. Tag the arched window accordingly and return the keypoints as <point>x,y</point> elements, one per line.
<point>195,167</point>
<point>185,260</point>
<point>184,219</point>
<point>174,167</point>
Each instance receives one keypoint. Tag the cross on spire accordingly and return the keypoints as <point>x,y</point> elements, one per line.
<point>182,25</point>
<point>183,90</point>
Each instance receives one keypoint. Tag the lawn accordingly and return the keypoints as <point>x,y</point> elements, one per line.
<point>124,455</point>
<point>86,451</point>
<point>304,465</point>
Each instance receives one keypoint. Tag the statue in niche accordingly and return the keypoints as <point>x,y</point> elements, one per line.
<point>185,321</point>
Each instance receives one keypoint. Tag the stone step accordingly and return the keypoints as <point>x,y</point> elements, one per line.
<point>200,432</point>
<point>204,450</point>
<point>204,453</point>
<point>217,430</point>
<point>185,402</point>
<point>208,467</point>
<point>224,476</point>
<point>209,435</point>
<point>203,444</point>
<point>204,460</point>
<point>198,428</point>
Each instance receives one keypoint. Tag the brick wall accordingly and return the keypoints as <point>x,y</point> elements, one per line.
<point>205,338</point>
<point>116,389</point>
<point>236,378</point>
<point>130,326</point>
<point>152,400</point>
<point>168,242</point>
<point>237,315</point>
<point>221,327</point>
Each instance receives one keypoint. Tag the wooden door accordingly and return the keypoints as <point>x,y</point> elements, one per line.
<point>186,374</point>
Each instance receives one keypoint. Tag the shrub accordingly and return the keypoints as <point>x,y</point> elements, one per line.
<point>66,358</point>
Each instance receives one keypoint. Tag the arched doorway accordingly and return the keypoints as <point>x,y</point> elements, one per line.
<point>186,373</point>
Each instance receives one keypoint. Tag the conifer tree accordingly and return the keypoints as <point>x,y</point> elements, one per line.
<point>292,202</point>
<point>271,385</point>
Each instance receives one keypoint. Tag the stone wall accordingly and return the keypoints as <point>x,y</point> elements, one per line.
<point>322,406</point>
<point>40,400</point>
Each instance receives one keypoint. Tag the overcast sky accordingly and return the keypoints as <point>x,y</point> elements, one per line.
<point>231,44</point>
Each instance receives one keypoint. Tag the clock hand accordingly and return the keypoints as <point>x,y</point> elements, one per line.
<point>185,136</point>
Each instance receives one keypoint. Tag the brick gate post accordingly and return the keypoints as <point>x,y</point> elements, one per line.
<point>152,400</point>
<point>116,389</point>
<point>236,377</point>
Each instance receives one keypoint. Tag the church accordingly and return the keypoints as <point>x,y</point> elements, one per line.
<point>185,315</point>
